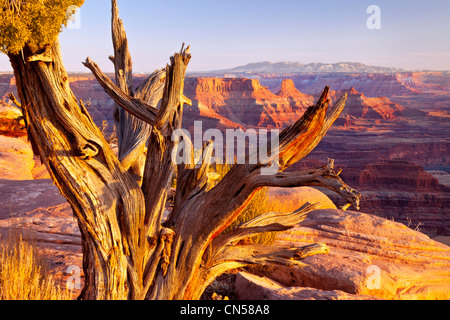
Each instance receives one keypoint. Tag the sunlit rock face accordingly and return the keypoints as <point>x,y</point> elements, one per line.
<point>369,258</point>
<point>245,102</point>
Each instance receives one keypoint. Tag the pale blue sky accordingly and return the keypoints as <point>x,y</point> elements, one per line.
<point>223,34</point>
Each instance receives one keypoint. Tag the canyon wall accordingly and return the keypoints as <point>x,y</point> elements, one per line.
<point>372,84</point>
<point>388,118</point>
<point>245,102</point>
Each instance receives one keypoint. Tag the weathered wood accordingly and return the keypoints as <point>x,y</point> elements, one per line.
<point>14,100</point>
<point>240,184</point>
<point>320,177</point>
<point>136,107</point>
<point>123,64</point>
<point>201,215</point>
<point>106,201</point>
<point>127,252</point>
<point>133,133</point>
<point>268,222</point>
<point>234,257</point>
<point>159,167</point>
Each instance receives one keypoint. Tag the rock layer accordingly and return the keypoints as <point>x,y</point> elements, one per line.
<point>11,124</point>
<point>253,287</point>
<point>16,159</point>
<point>368,255</point>
<point>245,102</point>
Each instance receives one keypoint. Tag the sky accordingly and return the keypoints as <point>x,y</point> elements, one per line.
<point>224,34</point>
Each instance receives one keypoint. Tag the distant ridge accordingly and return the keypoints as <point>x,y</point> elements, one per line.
<point>297,67</point>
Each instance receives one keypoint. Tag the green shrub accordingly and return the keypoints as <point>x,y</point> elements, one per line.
<point>37,22</point>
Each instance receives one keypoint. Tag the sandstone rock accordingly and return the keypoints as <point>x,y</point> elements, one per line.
<point>21,197</point>
<point>293,198</point>
<point>246,102</point>
<point>10,125</point>
<point>359,106</point>
<point>16,159</point>
<point>39,170</point>
<point>314,294</point>
<point>288,90</point>
<point>252,287</point>
<point>54,230</point>
<point>368,256</point>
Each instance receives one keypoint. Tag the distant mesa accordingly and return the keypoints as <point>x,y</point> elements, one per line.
<point>245,102</point>
<point>359,106</point>
<point>288,90</point>
<point>297,67</point>
<point>351,91</point>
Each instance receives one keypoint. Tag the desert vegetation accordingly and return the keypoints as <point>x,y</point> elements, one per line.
<point>24,273</point>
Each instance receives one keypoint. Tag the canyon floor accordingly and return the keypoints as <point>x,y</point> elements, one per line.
<point>392,143</point>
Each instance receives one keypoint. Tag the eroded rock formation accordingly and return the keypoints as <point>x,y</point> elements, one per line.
<point>245,102</point>
<point>369,257</point>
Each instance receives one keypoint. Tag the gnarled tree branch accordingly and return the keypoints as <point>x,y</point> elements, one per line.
<point>319,177</point>
<point>133,133</point>
<point>268,222</point>
<point>159,167</point>
<point>221,205</point>
<point>136,107</point>
<point>233,257</point>
<point>231,195</point>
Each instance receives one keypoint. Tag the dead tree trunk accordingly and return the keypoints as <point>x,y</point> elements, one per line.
<point>128,252</point>
<point>106,200</point>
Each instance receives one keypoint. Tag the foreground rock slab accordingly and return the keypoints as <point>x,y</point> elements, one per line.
<point>20,197</point>
<point>369,256</point>
<point>253,287</point>
<point>16,159</point>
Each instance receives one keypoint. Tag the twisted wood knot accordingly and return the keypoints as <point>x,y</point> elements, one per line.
<point>167,240</point>
<point>45,56</point>
<point>88,150</point>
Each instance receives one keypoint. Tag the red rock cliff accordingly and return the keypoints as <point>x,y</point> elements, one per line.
<point>246,102</point>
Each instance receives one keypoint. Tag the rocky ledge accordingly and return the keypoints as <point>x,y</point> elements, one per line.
<point>369,258</point>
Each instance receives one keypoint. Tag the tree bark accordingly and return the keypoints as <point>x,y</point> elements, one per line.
<point>128,253</point>
<point>133,133</point>
<point>106,200</point>
<point>182,261</point>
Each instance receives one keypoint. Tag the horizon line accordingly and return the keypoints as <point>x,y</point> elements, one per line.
<point>400,69</point>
